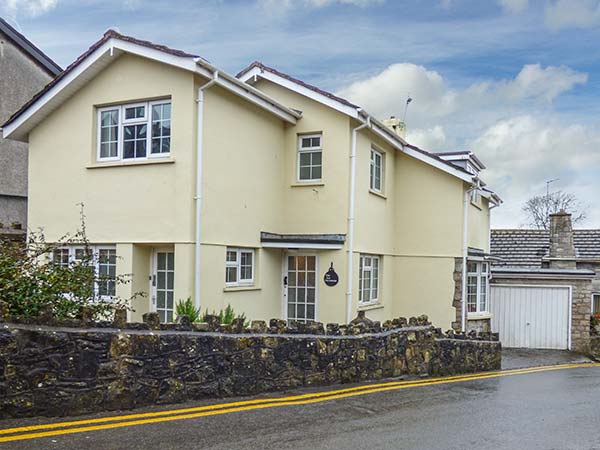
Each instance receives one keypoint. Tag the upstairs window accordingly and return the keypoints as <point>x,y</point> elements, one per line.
<point>376,170</point>
<point>134,131</point>
<point>310,158</point>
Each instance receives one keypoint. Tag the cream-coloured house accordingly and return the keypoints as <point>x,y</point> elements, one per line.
<point>277,181</point>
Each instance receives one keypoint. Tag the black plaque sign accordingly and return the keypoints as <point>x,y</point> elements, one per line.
<point>331,278</point>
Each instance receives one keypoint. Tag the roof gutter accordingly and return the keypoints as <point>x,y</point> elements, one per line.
<point>351,213</point>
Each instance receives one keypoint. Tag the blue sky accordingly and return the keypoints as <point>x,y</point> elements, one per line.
<point>516,81</point>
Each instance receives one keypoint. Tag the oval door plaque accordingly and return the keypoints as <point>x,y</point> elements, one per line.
<point>331,278</point>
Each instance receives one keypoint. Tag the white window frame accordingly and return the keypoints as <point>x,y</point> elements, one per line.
<point>368,268</point>
<point>372,167</point>
<point>122,123</point>
<point>99,133</point>
<point>482,272</point>
<point>95,249</point>
<point>238,265</point>
<point>302,150</point>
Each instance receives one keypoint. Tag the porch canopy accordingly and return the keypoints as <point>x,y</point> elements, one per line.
<point>311,241</point>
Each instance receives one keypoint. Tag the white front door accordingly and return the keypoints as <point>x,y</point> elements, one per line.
<point>300,287</point>
<point>531,316</point>
<point>163,279</point>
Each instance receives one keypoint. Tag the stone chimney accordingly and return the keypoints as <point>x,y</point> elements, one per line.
<point>396,125</point>
<point>562,249</point>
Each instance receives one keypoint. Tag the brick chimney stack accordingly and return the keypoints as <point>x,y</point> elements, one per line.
<point>562,249</point>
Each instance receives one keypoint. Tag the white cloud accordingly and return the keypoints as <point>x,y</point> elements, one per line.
<point>522,152</point>
<point>572,14</point>
<point>433,138</point>
<point>514,6</point>
<point>385,93</point>
<point>278,6</point>
<point>29,7</point>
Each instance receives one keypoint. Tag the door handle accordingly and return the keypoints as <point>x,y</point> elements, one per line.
<point>285,281</point>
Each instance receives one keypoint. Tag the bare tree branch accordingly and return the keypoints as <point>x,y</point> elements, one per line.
<point>538,209</point>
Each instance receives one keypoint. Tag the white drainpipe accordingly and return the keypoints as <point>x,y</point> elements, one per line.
<point>465,253</point>
<point>351,219</point>
<point>198,197</point>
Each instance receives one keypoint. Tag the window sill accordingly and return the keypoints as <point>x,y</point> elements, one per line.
<point>307,184</point>
<point>378,194</point>
<point>241,288</point>
<point>100,165</point>
<point>479,316</point>
<point>370,306</point>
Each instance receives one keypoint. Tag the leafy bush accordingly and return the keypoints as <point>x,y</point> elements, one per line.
<point>186,308</point>
<point>31,283</point>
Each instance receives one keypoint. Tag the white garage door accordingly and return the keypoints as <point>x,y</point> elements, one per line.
<point>531,316</point>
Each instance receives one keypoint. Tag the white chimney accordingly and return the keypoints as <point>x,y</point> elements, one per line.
<point>396,125</point>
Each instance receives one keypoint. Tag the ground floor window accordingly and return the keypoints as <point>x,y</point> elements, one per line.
<point>477,287</point>
<point>368,282</point>
<point>103,259</point>
<point>239,267</point>
<point>596,304</point>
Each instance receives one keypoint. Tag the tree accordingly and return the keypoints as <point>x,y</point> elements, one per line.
<point>538,209</point>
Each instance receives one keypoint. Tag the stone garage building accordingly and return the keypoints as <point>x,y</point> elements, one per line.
<point>545,285</point>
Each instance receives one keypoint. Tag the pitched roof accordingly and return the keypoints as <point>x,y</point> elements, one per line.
<point>265,68</point>
<point>347,107</point>
<point>38,56</point>
<point>95,58</point>
<point>527,248</point>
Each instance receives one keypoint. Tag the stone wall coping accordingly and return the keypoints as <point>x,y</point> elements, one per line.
<point>122,331</point>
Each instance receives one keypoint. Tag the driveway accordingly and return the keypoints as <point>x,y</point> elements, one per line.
<point>516,358</point>
<point>538,408</point>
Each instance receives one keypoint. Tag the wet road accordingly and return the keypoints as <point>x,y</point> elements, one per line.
<point>523,409</point>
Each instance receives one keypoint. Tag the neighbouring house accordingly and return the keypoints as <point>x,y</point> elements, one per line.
<point>259,191</point>
<point>545,284</point>
<point>24,70</point>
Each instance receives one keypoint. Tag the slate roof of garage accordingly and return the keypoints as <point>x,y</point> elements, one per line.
<point>526,248</point>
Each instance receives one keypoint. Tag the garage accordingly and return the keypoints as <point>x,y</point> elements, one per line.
<point>530,316</point>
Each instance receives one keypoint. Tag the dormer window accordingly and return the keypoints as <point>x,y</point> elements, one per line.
<point>134,131</point>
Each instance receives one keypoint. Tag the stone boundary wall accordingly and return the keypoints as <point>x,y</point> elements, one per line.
<point>62,370</point>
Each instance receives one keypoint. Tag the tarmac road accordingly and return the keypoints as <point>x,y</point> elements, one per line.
<point>552,407</point>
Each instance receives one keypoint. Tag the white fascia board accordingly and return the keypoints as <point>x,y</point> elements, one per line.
<point>248,91</point>
<point>302,90</point>
<point>302,245</point>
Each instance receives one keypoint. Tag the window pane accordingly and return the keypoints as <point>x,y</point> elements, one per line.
<point>291,310</point>
<point>306,142</point>
<point>316,158</point>
<point>305,173</point>
<point>300,308</point>
<point>304,159</point>
<point>291,263</point>
<point>310,295</point>
<point>231,256</point>
<point>231,275</point>
<point>310,312</point>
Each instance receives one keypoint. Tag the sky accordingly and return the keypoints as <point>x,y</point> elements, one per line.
<point>515,81</point>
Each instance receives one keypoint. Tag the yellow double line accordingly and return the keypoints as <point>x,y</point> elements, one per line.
<point>128,420</point>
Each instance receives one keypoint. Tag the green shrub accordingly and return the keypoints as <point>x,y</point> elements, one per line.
<point>31,283</point>
<point>186,308</point>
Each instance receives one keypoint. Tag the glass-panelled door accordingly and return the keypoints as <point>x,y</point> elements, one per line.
<point>163,279</point>
<point>300,287</point>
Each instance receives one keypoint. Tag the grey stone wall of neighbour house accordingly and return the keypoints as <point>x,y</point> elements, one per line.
<point>67,370</point>
<point>580,307</point>
<point>20,79</point>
